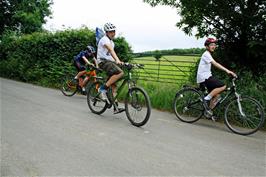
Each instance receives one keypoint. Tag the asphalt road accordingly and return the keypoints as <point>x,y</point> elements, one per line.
<point>44,133</point>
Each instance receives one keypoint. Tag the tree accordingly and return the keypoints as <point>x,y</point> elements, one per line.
<point>123,49</point>
<point>23,16</point>
<point>239,25</point>
<point>157,55</point>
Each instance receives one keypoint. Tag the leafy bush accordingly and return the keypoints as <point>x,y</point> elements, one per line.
<point>45,57</point>
<point>123,49</point>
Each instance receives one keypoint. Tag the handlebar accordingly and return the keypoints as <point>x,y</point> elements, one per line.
<point>92,67</point>
<point>234,78</point>
<point>129,66</point>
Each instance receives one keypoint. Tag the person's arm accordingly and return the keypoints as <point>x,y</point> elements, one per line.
<point>95,62</point>
<point>219,66</point>
<point>86,60</point>
<point>113,54</point>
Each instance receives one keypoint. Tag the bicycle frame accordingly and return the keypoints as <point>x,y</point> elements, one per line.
<point>232,90</point>
<point>126,79</point>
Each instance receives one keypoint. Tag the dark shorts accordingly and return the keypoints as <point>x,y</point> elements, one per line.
<point>111,68</point>
<point>211,83</point>
<point>79,66</point>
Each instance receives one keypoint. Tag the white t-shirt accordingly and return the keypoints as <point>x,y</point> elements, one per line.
<point>102,52</point>
<point>204,69</point>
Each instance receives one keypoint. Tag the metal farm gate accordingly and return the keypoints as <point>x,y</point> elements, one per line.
<point>167,69</point>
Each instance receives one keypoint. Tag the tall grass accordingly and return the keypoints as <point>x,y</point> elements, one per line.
<point>161,95</point>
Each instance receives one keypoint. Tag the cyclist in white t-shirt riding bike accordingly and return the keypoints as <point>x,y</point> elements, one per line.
<point>109,62</point>
<point>205,78</point>
<point>243,115</point>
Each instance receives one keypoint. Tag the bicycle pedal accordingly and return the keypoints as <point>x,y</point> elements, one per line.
<point>214,118</point>
<point>119,110</point>
<point>208,114</point>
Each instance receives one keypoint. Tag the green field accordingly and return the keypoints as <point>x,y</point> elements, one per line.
<point>169,69</point>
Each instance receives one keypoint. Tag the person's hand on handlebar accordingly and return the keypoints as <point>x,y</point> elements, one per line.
<point>89,64</point>
<point>119,62</point>
<point>231,73</point>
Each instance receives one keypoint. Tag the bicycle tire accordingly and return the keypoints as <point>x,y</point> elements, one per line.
<point>95,103</point>
<point>69,86</point>
<point>244,125</point>
<point>137,104</point>
<point>184,110</point>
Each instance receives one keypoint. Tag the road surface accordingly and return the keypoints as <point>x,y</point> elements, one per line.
<point>44,133</point>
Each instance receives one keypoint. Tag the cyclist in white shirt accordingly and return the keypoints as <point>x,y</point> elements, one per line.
<point>204,75</point>
<point>109,61</point>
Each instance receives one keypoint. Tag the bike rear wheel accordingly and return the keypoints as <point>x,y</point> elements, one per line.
<point>187,105</point>
<point>69,86</point>
<point>247,123</point>
<point>95,103</point>
<point>138,106</point>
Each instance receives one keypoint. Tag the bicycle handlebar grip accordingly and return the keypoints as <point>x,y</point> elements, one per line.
<point>234,78</point>
<point>130,66</point>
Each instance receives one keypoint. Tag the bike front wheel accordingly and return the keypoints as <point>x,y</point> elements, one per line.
<point>69,86</point>
<point>138,106</point>
<point>187,105</point>
<point>95,103</point>
<point>244,117</point>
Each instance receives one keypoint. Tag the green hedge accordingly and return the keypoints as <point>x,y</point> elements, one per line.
<point>43,58</point>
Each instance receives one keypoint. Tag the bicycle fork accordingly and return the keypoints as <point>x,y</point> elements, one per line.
<point>239,105</point>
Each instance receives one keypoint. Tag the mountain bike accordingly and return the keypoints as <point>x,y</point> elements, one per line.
<point>243,115</point>
<point>137,101</point>
<point>70,86</point>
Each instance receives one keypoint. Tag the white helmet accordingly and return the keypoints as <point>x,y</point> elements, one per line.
<point>109,27</point>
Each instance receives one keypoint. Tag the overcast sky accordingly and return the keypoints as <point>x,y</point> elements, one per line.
<point>144,27</point>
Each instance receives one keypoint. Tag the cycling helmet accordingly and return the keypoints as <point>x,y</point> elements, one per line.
<point>91,49</point>
<point>209,41</point>
<point>109,27</point>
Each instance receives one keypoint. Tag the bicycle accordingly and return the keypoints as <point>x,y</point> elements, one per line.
<point>243,115</point>
<point>137,101</point>
<point>70,86</point>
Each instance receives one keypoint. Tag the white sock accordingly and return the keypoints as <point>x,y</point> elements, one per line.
<point>83,89</point>
<point>208,97</point>
<point>76,77</point>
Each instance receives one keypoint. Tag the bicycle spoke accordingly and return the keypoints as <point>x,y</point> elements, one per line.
<point>69,86</point>
<point>137,106</point>
<point>251,120</point>
<point>96,104</point>
<point>248,122</point>
<point>187,106</point>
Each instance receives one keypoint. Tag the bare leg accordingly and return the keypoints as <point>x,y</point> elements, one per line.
<point>215,94</point>
<point>85,81</point>
<point>213,101</point>
<point>114,89</point>
<point>114,78</point>
<point>81,73</point>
